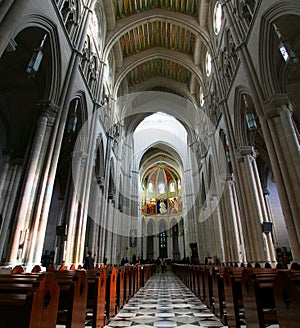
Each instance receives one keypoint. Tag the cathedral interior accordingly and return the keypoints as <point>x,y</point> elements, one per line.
<point>147,129</point>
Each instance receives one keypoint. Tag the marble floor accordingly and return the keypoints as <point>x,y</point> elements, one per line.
<point>164,302</point>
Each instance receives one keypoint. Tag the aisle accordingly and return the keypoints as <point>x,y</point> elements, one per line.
<point>164,302</point>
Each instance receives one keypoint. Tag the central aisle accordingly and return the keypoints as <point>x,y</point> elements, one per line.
<point>164,302</point>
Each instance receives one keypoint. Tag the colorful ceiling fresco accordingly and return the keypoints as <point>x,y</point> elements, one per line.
<point>158,34</point>
<point>160,170</point>
<point>158,68</point>
<point>124,8</point>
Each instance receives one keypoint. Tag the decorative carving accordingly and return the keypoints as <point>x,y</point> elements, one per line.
<point>48,110</point>
<point>68,12</point>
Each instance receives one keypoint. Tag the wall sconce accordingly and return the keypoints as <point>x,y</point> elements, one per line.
<point>285,48</point>
<point>250,119</point>
<point>36,58</point>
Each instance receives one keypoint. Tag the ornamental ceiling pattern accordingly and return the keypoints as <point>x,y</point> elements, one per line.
<point>124,8</point>
<point>158,34</point>
<point>160,170</point>
<point>158,68</point>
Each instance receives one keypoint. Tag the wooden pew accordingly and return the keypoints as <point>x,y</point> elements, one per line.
<point>73,297</point>
<point>258,297</point>
<point>201,286</point>
<point>36,268</point>
<point>148,268</point>
<point>31,303</point>
<point>63,268</point>
<point>51,268</point>
<point>234,313</point>
<point>287,298</point>
<point>111,293</point>
<point>207,287</point>
<point>120,288</point>
<point>132,271</point>
<point>143,274</point>
<point>18,269</point>
<point>198,280</point>
<point>127,284</point>
<point>138,278</point>
<point>218,292</point>
<point>193,278</point>
<point>96,296</point>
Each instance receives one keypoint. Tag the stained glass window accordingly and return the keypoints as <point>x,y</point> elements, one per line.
<point>161,188</point>
<point>208,64</point>
<point>217,20</point>
<point>150,187</point>
<point>201,96</point>
<point>172,187</point>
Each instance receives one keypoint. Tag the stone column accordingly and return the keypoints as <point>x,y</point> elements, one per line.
<point>82,212</point>
<point>4,178</point>
<point>284,138</point>
<point>30,189</point>
<point>232,224</point>
<point>109,227</point>
<point>74,206</point>
<point>101,230</point>
<point>254,207</point>
<point>104,203</point>
<point>234,216</point>
<point>144,250</point>
<point>156,241</point>
<point>39,221</point>
<point>169,243</point>
<point>10,177</point>
<point>115,238</point>
<point>64,98</point>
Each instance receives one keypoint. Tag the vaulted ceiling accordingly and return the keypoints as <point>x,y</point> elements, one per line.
<point>158,44</point>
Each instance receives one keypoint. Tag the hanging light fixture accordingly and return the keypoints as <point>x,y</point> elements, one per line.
<point>227,153</point>
<point>36,58</point>
<point>285,48</point>
<point>72,122</point>
<point>250,119</point>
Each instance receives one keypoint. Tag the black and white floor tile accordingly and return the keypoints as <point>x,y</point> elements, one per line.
<point>165,302</point>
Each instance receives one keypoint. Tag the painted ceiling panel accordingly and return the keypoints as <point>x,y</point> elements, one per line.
<point>158,34</point>
<point>158,67</point>
<point>154,172</point>
<point>124,8</point>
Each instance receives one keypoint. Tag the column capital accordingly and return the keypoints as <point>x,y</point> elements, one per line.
<point>48,110</point>
<point>275,104</point>
<point>244,151</point>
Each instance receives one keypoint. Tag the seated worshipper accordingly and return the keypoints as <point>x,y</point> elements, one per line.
<point>88,261</point>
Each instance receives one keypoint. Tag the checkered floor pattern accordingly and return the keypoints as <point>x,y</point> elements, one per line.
<point>164,302</point>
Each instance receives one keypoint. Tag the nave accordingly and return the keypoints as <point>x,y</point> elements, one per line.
<point>165,301</point>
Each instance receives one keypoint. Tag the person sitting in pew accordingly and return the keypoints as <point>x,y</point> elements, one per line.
<point>88,261</point>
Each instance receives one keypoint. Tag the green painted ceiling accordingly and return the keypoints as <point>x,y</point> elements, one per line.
<point>124,8</point>
<point>157,33</point>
